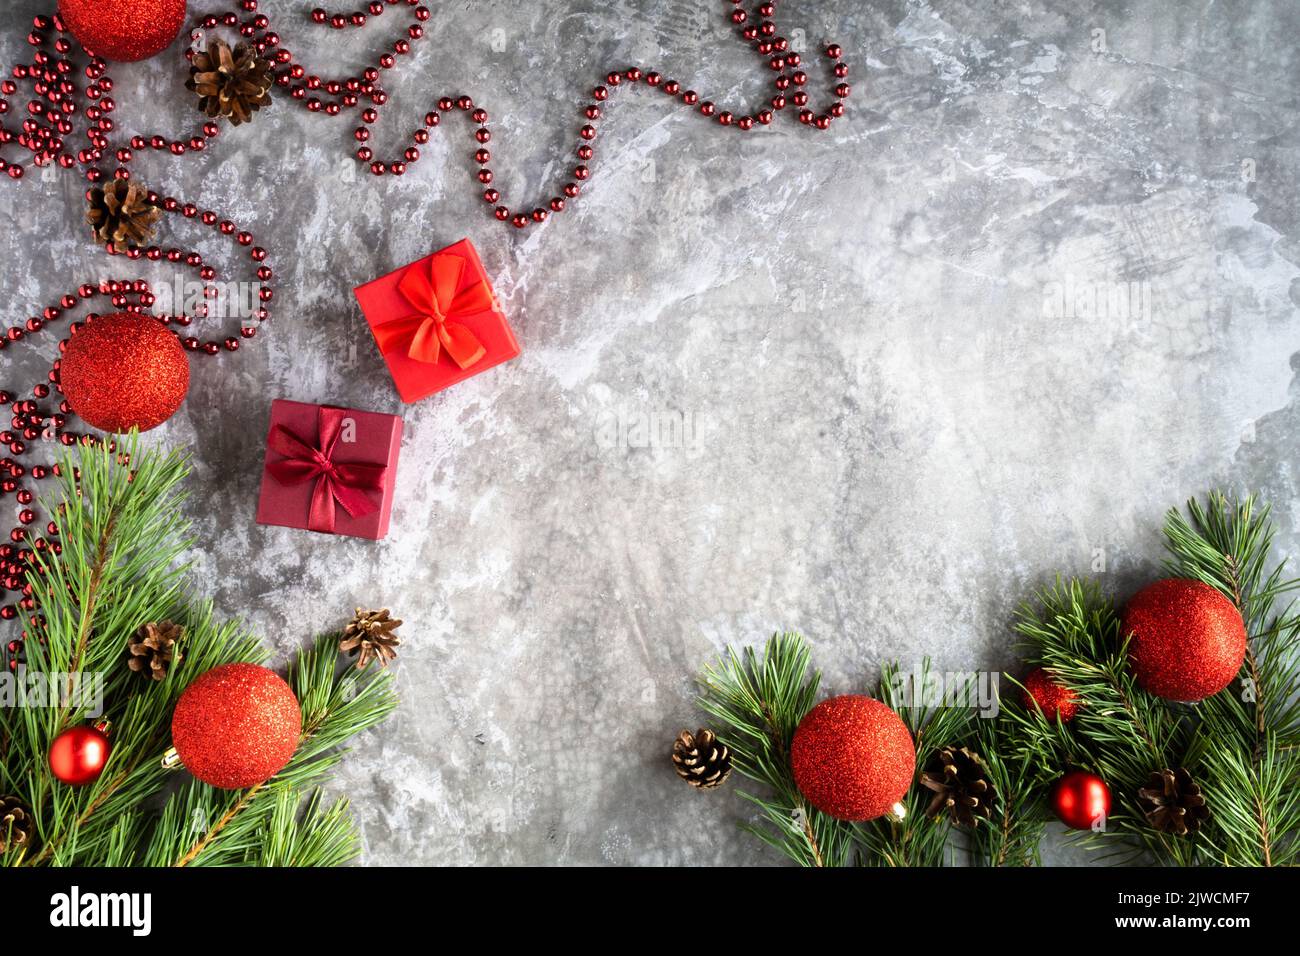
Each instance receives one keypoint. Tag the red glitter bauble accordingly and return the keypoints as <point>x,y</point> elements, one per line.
<point>78,755</point>
<point>1050,698</point>
<point>236,726</point>
<point>1081,800</point>
<point>853,757</point>
<point>124,30</point>
<point>124,371</point>
<point>1188,640</point>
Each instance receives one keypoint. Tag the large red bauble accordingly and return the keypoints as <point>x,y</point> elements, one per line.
<point>124,371</point>
<point>236,726</point>
<point>123,30</point>
<point>853,757</point>
<point>1081,800</point>
<point>78,755</point>
<point>1052,699</point>
<point>1188,640</point>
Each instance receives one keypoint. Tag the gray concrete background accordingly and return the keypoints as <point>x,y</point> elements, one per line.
<point>899,424</point>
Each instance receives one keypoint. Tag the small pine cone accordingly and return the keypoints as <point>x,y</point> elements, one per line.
<point>701,760</point>
<point>152,649</point>
<point>16,824</point>
<point>959,778</point>
<point>371,635</point>
<point>231,83</point>
<point>1173,803</point>
<point>120,214</point>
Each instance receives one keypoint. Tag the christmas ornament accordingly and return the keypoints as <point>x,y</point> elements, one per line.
<point>124,30</point>
<point>853,758</point>
<point>1051,699</point>
<point>231,83</point>
<point>78,755</point>
<point>121,215</point>
<point>1172,802</point>
<point>960,781</point>
<point>16,824</point>
<point>152,649</point>
<point>701,759</point>
<point>1187,641</point>
<point>124,371</point>
<point>236,726</point>
<point>1081,800</point>
<point>371,635</point>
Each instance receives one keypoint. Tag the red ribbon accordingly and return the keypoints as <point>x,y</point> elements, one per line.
<point>344,482</point>
<point>441,306</point>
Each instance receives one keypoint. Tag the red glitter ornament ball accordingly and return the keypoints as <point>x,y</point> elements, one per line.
<point>1052,699</point>
<point>236,726</point>
<point>1081,800</point>
<point>124,30</point>
<point>1188,640</point>
<point>853,757</point>
<point>124,371</point>
<point>78,755</point>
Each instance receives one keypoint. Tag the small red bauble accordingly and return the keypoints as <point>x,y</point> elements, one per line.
<point>78,755</point>
<point>853,757</point>
<point>1188,640</point>
<point>1081,800</point>
<point>236,726</point>
<point>1050,698</point>
<point>124,371</point>
<point>124,30</point>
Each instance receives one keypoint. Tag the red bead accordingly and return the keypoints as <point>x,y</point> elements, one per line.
<point>519,221</point>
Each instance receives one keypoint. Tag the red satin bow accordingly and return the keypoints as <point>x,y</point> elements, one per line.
<point>439,300</point>
<point>344,482</point>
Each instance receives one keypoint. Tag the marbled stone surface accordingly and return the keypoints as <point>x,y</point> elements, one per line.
<point>901,406</point>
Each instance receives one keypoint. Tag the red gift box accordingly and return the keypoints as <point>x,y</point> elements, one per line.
<point>437,322</point>
<point>329,469</point>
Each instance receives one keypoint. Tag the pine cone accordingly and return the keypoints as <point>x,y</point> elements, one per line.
<point>120,213</point>
<point>1173,803</point>
<point>371,635</point>
<point>959,779</point>
<point>232,83</point>
<point>702,760</point>
<point>16,824</point>
<point>152,648</point>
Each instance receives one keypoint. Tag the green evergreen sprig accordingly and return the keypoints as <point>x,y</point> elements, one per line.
<point>124,536</point>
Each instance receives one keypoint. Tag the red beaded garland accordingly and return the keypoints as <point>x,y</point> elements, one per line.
<point>853,757</point>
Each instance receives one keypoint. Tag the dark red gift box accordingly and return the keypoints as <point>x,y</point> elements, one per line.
<point>437,321</point>
<point>329,469</point>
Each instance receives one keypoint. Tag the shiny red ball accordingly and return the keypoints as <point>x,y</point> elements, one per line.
<point>78,755</point>
<point>1188,640</point>
<point>236,726</point>
<point>1052,699</point>
<point>1081,800</point>
<point>124,371</point>
<point>853,757</point>
<point>124,30</point>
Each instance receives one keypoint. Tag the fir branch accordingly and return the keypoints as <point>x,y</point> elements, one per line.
<point>123,535</point>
